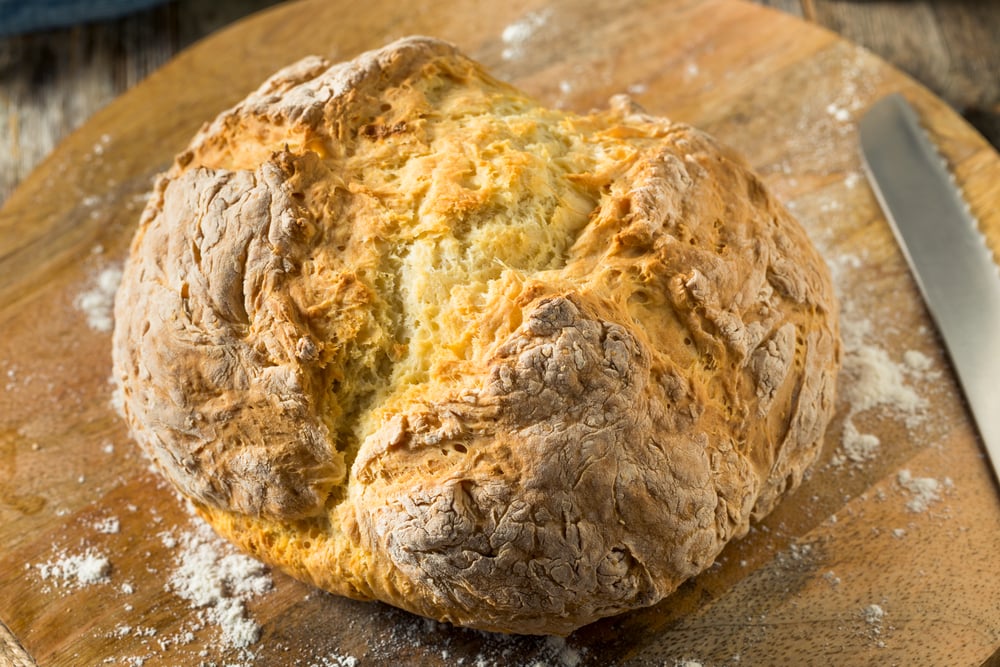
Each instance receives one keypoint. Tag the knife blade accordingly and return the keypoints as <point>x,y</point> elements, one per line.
<point>946,251</point>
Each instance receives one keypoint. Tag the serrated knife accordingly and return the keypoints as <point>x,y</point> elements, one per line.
<point>947,253</point>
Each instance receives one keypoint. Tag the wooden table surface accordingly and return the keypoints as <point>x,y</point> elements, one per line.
<point>51,82</point>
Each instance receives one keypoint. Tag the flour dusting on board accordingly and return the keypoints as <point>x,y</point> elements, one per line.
<point>878,381</point>
<point>208,573</point>
<point>923,491</point>
<point>76,570</point>
<point>218,583</point>
<point>335,660</point>
<point>517,34</point>
<point>875,380</point>
<point>98,301</point>
<point>109,526</point>
<point>874,615</point>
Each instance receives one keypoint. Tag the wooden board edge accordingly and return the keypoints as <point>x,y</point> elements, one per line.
<point>11,650</point>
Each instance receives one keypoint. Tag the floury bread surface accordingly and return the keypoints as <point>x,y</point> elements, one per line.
<point>405,334</point>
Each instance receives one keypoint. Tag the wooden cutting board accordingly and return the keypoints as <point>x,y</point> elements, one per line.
<point>860,566</point>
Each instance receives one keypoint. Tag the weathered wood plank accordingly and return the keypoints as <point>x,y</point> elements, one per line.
<point>951,47</point>
<point>56,80</point>
<point>793,7</point>
<point>53,81</point>
<point>907,33</point>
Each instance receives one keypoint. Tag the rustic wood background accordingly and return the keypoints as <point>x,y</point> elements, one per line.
<point>52,81</point>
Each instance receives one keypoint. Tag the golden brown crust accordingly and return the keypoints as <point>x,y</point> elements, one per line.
<point>400,331</point>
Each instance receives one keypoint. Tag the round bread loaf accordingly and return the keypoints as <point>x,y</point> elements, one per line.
<point>400,331</point>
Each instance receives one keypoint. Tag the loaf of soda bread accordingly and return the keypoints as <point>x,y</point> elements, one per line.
<point>407,335</point>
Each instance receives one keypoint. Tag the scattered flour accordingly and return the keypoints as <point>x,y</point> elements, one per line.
<point>565,655</point>
<point>516,35</point>
<point>336,661</point>
<point>917,361</point>
<point>77,570</point>
<point>102,144</point>
<point>97,303</point>
<point>841,114</point>
<point>108,526</point>
<point>873,614</point>
<point>924,491</point>
<point>875,380</point>
<point>856,446</point>
<point>123,630</point>
<point>218,582</point>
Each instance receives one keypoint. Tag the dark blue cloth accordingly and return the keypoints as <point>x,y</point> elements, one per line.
<point>28,15</point>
